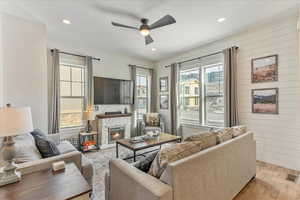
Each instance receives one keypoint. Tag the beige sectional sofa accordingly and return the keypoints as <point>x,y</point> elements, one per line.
<point>216,173</point>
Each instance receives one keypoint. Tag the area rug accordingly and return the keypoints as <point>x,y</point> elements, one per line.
<point>100,160</point>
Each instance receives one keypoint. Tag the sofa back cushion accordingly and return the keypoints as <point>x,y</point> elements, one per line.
<point>171,154</point>
<point>238,130</point>
<point>224,134</point>
<point>208,139</point>
<point>26,150</point>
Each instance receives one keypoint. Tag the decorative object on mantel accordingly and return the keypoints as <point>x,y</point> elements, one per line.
<point>13,121</point>
<point>264,69</point>
<point>88,116</point>
<point>164,101</point>
<point>265,101</point>
<point>164,84</point>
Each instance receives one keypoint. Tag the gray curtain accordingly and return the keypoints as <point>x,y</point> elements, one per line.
<point>173,100</point>
<point>90,91</point>
<point>230,84</point>
<point>55,106</point>
<point>153,94</point>
<point>134,123</point>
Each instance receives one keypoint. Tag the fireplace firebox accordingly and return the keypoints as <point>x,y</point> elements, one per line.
<point>115,133</point>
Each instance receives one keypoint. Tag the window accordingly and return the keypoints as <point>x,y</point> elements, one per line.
<point>142,94</point>
<point>187,90</point>
<point>206,105</point>
<point>72,95</point>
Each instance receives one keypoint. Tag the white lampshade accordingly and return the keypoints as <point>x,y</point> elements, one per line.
<point>15,121</point>
<point>88,115</point>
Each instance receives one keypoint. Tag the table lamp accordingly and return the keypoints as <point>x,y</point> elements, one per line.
<point>88,116</point>
<point>13,121</point>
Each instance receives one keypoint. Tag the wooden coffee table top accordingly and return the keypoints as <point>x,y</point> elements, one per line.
<point>161,139</point>
<point>46,185</point>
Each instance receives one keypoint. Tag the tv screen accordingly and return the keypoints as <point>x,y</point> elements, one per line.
<point>112,91</point>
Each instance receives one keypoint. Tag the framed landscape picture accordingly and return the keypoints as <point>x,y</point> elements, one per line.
<point>164,101</point>
<point>164,84</point>
<point>265,101</point>
<point>264,69</point>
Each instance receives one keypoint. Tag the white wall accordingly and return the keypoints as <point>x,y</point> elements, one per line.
<point>23,51</point>
<point>277,136</point>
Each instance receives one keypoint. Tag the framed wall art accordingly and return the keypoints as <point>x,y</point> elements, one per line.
<point>164,84</point>
<point>164,101</point>
<point>265,101</point>
<point>264,69</point>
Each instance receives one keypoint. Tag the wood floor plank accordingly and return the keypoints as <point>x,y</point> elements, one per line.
<point>271,184</point>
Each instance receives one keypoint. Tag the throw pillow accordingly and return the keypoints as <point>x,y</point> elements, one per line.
<point>208,139</point>
<point>145,163</point>
<point>38,133</point>
<point>152,119</point>
<point>46,147</point>
<point>224,135</point>
<point>172,154</point>
<point>238,130</point>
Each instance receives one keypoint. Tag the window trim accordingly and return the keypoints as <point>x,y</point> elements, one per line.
<point>202,98</point>
<point>84,95</point>
<point>147,94</point>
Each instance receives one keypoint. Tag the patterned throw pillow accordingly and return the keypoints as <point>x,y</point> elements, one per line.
<point>239,130</point>
<point>208,139</point>
<point>152,119</point>
<point>172,154</point>
<point>224,134</point>
<point>46,147</point>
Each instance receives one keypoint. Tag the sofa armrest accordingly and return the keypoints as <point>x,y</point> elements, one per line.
<point>128,182</point>
<point>55,138</point>
<point>46,163</point>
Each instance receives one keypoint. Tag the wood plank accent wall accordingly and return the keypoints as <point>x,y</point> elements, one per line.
<point>277,136</point>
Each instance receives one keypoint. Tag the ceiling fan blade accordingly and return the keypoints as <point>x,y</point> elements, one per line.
<point>166,20</point>
<point>148,39</point>
<point>124,26</point>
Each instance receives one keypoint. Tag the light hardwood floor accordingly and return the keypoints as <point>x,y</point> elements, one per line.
<point>271,184</point>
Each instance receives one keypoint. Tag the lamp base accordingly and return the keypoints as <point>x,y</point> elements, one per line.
<point>9,177</point>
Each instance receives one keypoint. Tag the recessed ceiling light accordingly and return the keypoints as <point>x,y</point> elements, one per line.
<point>153,49</point>
<point>222,19</point>
<point>66,21</point>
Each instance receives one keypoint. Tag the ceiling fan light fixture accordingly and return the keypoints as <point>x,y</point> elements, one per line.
<point>144,32</point>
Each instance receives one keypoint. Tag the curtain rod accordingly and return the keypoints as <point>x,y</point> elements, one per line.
<point>73,54</point>
<point>140,67</point>
<point>215,53</point>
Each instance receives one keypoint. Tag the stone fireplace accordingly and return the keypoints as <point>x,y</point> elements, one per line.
<point>115,133</point>
<point>112,127</point>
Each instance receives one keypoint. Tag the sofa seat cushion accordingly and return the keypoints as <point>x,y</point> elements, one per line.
<point>171,154</point>
<point>238,130</point>
<point>208,139</point>
<point>224,134</point>
<point>66,147</point>
<point>26,150</point>
<point>87,169</point>
<point>46,147</point>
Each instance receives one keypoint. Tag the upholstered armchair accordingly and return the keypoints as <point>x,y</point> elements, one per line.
<point>152,122</point>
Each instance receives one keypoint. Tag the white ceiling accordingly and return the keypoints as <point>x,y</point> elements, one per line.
<point>196,21</point>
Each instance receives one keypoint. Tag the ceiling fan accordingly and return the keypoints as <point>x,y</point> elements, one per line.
<point>145,29</point>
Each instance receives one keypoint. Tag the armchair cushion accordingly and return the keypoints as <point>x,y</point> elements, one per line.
<point>145,163</point>
<point>65,147</point>
<point>152,119</point>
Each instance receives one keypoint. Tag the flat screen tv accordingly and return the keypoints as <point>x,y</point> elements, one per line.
<point>112,91</point>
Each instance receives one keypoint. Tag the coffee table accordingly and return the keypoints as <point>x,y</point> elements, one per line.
<point>163,138</point>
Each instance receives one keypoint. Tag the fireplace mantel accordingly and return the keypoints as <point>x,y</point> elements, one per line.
<point>102,116</point>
